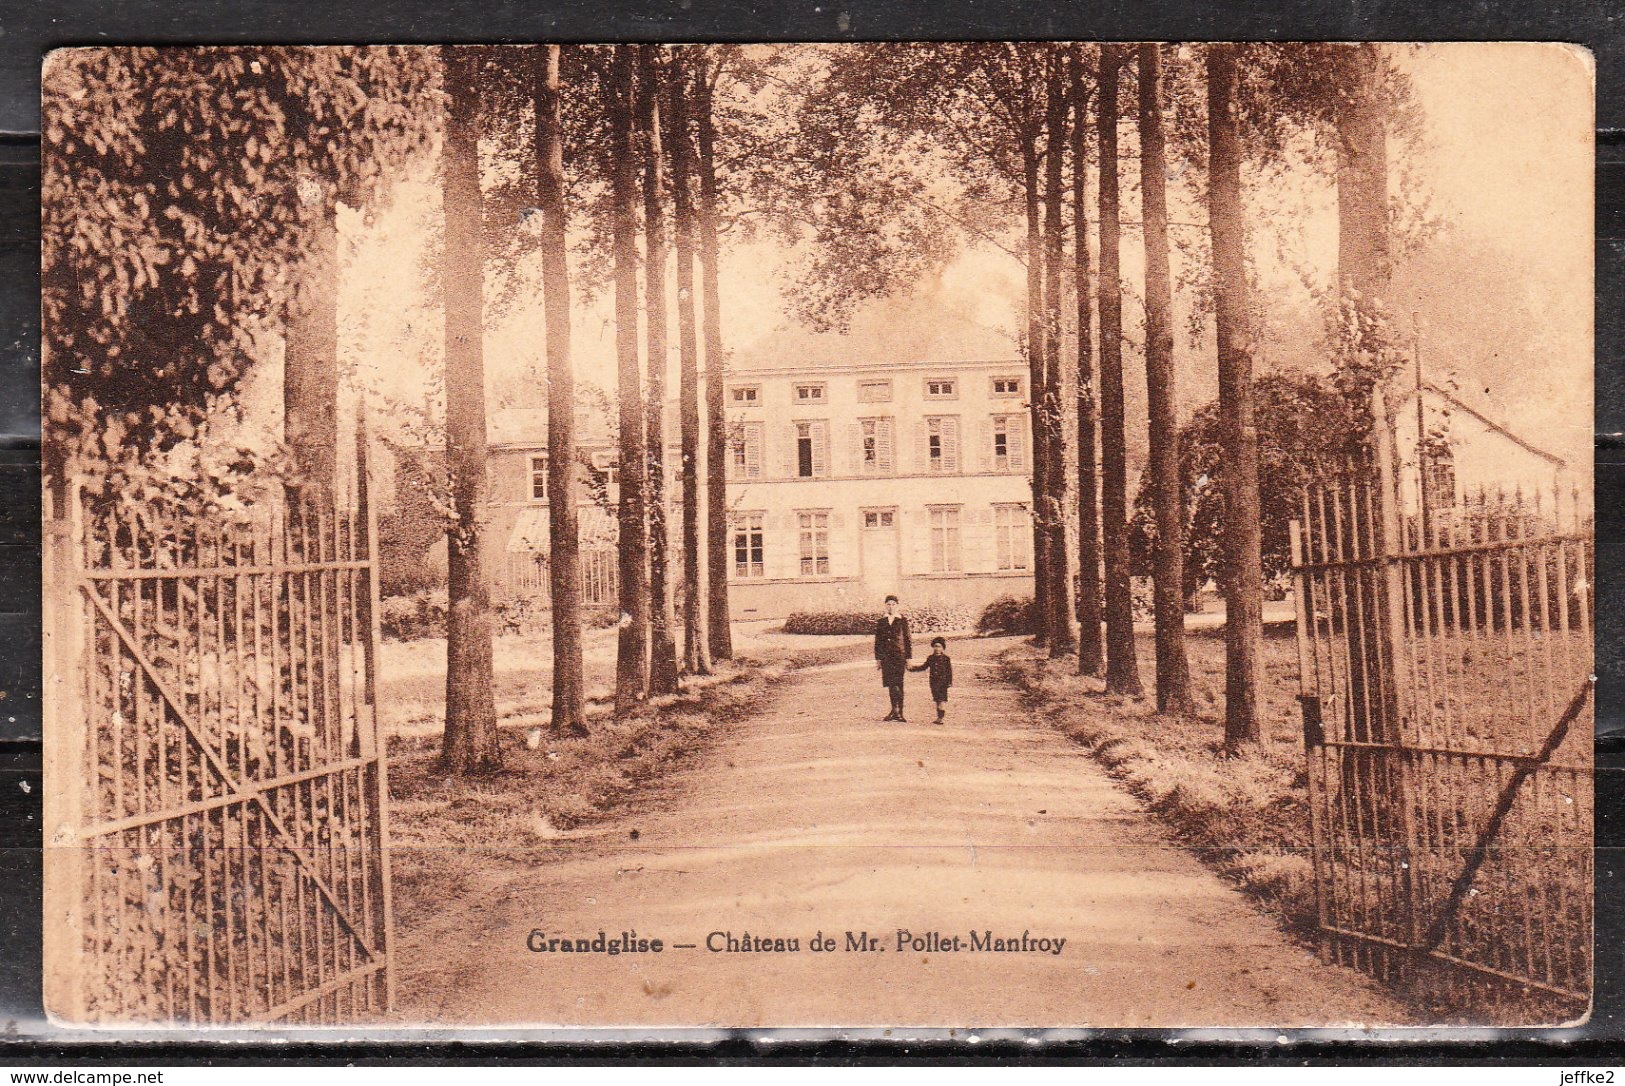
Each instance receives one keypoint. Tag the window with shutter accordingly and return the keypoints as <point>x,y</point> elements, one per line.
<point>812,449</point>
<point>874,446</point>
<point>942,444</point>
<point>745,460</point>
<point>1008,444</point>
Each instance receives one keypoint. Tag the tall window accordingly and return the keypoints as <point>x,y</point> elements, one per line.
<point>942,445</point>
<point>1012,537</point>
<point>538,478</point>
<point>745,455</point>
<point>945,540</point>
<point>875,452</point>
<point>748,545</point>
<point>1009,453</point>
<point>812,449</point>
<point>814,540</point>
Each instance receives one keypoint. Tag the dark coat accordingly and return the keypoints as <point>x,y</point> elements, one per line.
<point>893,648</point>
<point>941,675</point>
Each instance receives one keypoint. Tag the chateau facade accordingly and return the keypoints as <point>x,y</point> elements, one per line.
<point>845,483</point>
<point>849,482</point>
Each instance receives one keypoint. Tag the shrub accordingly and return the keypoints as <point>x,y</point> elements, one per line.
<point>1008,615</point>
<point>408,618</point>
<point>927,618</point>
<point>831,622</point>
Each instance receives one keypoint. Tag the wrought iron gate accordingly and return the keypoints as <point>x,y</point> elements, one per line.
<point>217,818</point>
<point>1446,659</point>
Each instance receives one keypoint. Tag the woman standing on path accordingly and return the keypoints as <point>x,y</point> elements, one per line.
<point>892,651</point>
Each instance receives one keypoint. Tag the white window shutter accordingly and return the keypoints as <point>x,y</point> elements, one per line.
<point>1017,444</point>
<point>853,462</point>
<point>753,451</point>
<point>950,445</point>
<point>788,454</point>
<point>986,442</point>
<point>883,447</point>
<point>922,446</point>
<point>819,431</point>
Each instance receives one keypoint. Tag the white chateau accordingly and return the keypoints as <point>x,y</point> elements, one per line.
<point>849,482</point>
<point>846,483</point>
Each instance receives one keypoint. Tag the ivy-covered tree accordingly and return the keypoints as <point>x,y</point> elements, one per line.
<point>180,188</point>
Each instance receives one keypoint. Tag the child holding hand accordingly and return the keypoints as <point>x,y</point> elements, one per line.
<point>941,676</point>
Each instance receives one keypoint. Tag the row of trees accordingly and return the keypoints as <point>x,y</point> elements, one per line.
<point>631,132</point>
<point>186,229</point>
<point>1018,126</point>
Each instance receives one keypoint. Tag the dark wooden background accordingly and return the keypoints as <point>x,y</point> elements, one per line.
<point>29,30</point>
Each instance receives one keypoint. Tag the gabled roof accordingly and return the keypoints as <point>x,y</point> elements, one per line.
<point>1491,424</point>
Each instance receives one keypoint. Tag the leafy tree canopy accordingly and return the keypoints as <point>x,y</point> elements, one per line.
<point>177,187</point>
<point>1307,430</point>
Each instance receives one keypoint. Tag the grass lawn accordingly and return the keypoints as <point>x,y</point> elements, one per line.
<point>1246,815</point>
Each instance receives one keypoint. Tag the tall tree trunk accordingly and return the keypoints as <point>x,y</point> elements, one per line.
<point>310,368</point>
<point>470,743</point>
<point>1244,581</point>
<point>720,624</point>
<point>1122,667</point>
<point>1364,265</point>
<point>1091,660</point>
<point>1060,592</point>
<point>696,652</point>
<point>1168,564</point>
<point>564,536</point>
<point>1364,255</point>
<point>630,662</point>
<point>1037,380</point>
<point>662,650</point>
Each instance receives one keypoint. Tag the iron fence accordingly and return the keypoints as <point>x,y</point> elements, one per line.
<point>220,820</point>
<point>1446,659</point>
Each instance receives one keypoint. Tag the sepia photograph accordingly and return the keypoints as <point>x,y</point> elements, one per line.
<point>870,536</point>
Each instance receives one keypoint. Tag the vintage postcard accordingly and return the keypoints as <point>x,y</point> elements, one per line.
<point>928,535</point>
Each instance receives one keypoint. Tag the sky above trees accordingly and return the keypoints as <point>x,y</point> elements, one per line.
<point>1499,175</point>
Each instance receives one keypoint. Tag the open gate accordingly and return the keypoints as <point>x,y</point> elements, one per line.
<point>1446,663</point>
<point>216,785</point>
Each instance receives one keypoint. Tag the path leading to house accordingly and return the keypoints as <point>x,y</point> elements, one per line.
<point>816,817</point>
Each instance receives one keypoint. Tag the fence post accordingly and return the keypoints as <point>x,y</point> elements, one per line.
<point>1314,728</point>
<point>377,745</point>
<point>66,771</point>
